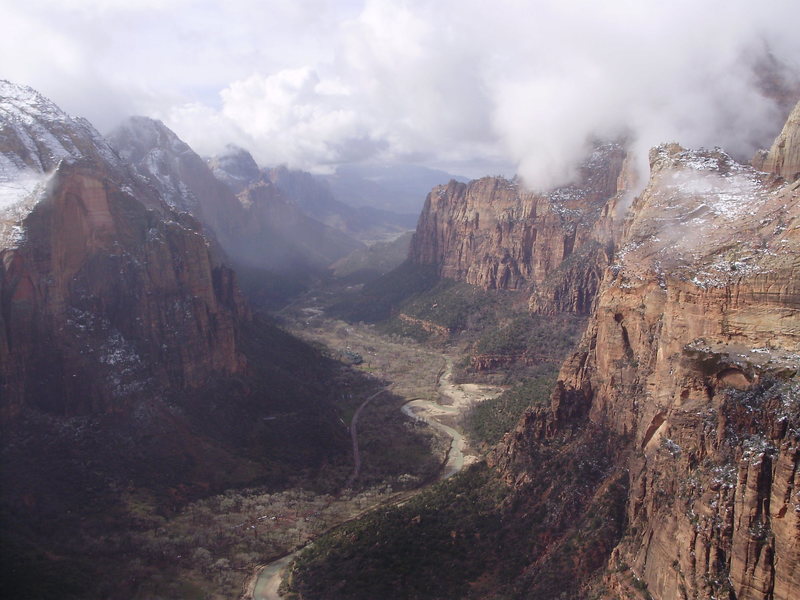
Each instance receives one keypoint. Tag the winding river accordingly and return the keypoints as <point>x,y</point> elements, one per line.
<point>454,399</point>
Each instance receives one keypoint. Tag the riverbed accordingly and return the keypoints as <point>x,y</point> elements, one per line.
<point>453,400</point>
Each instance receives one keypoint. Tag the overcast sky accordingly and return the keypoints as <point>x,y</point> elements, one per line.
<point>473,86</point>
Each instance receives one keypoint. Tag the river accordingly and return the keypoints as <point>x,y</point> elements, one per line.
<point>454,399</point>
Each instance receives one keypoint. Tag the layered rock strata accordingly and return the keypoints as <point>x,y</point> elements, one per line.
<point>494,234</point>
<point>104,291</point>
<point>691,360</point>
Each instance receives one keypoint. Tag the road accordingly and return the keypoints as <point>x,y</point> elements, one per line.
<point>354,437</point>
<point>454,400</point>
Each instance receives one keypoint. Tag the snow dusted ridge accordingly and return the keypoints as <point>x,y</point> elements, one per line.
<point>17,199</point>
<point>35,135</point>
<point>709,218</point>
<point>724,187</point>
<point>148,142</point>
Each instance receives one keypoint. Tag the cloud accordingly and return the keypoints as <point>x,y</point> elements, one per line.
<point>305,121</point>
<point>509,85</point>
<point>679,71</point>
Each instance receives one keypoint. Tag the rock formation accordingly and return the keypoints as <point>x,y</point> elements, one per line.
<point>124,340</point>
<point>179,175</point>
<point>691,362</point>
<point>98,276</point>
<point>253,221</point>
<point>494,234</point>
<point>784,157</point>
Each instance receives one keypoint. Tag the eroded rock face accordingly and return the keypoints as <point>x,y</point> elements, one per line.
<point>784,157</point>
<point>105,299</point>
<point>247,214</point>
<point>494,234</point>
<point>691,358</point>
<point>105,293</point>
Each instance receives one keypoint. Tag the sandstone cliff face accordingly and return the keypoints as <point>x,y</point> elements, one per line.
<point>104,292</point>
<point>691,359</point>
<point>784,157</point>
<point>494,234</point>
<point>102,286</point>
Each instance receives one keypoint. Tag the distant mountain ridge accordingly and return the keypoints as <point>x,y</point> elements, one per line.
<point>314,195</point>
<point>397,188</point>
<point>253,221</point>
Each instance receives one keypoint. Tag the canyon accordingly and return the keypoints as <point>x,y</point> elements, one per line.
<point>134,377</point>
<point>664,464</point>
<point>495,234</point>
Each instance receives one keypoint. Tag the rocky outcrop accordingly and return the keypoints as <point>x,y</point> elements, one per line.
<point>253,221</point>
<point>690,360</point>
<point>128,361</point>
<point>426,326</point>
<point>494,234</point>
<point>784,157</point>
<point>105,293</point>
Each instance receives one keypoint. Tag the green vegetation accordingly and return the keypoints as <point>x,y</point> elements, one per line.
<point>413,302</point>
<point>424,548</point>
<point>367,264</point>
<point>378,298</point>
<point>491,323</point>
<point>549,338</point>
<point>473,536</point>
<point>460,308</point>
<point>455,305</point>
<point>486,422</point>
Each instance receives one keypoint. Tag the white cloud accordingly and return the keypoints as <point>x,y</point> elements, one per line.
<point>315,83</point>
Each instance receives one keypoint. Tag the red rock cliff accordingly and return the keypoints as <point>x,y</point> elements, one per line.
<point>105,298</point>
<point>691,359</point>
<point>105,293</point>
<point>494,234</point>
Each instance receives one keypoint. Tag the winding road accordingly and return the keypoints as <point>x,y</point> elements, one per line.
<point>354,437</point>
<point>454,400</point>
